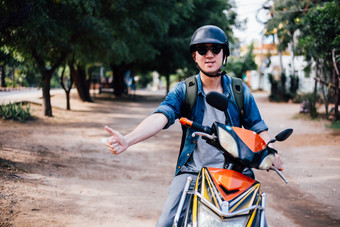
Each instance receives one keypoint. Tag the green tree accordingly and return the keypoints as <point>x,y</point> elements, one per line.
<point>135,34</point>
<point>135,27</point>
<point>92,43</point>
<point>52,31</point>
<point>284,23</point>
<point>319,42</point>
<point>174,47</point>
<point>238,66</point>
<point>36,40</point>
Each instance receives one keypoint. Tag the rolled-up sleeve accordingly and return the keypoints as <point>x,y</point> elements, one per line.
<point>171,106</point>
<point>252,117</point>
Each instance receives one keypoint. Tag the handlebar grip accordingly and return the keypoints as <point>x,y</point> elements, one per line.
<point>191,124</point>
<point>185,122</point>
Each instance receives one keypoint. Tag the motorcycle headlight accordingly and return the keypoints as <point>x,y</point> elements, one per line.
<point>206,217</point>
<point>227,142</point>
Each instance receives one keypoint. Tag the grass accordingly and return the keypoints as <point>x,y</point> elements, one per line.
<point>306,116</point>
<point>334,125</point>
<point>15,111</point>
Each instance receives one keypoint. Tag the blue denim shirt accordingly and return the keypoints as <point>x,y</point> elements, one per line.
<point>171,108</point>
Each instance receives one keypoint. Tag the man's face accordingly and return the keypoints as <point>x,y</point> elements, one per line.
<point>209,57</point>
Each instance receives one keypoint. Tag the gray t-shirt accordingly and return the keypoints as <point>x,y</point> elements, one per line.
<point>205,155</point>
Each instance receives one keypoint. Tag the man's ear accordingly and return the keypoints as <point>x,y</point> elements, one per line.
<point>193,54</point>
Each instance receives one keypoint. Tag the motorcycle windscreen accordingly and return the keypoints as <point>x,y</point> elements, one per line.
<point>253,141</point>
<point>242,144</point>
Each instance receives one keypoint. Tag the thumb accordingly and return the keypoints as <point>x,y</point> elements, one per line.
<point>110,130</point>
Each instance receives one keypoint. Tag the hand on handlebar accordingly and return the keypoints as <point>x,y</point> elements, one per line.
<point>278,162</point>
<point>278,167</point>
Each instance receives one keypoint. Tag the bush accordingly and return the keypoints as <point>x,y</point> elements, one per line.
<point>279,91</point>
<point>335,125</point>
<point>307,103</point>
<point>15,111</point>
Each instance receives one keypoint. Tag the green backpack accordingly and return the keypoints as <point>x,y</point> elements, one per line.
<point>190,99</point>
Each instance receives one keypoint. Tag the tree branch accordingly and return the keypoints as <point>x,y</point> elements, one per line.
<point>334,62</point>
<point>325,83</point>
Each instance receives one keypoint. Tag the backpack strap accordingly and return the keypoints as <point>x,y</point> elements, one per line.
<point>189,102</point>
<point>237,87</point>
<point>190,96</point>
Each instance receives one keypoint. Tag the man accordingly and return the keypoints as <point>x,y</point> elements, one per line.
<point>209,48</point>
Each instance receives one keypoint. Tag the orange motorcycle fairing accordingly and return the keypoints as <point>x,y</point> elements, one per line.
<point>224,196</point>
<point>251,139</point>
<point>230,183</point>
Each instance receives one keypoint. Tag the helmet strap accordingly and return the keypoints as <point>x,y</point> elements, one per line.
<point>220,72</point>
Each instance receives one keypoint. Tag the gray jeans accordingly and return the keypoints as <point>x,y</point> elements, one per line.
<point>174,195</point>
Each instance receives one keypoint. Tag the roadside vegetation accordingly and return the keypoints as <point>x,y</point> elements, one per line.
<point>310,29</point>
<point>15,111</point>
<point>109,42</point>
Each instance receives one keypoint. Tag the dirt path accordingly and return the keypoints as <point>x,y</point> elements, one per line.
<point>57,171</point>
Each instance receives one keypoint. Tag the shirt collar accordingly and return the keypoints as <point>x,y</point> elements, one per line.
<point>225,83</point>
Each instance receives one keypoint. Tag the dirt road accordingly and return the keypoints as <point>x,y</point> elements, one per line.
<point>57,171</point>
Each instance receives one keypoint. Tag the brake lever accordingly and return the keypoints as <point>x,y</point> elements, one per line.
<point>279,173</point>
<point>211,137</point>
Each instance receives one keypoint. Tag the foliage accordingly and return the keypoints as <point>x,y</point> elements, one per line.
<point>334,125</point>
<point>279,92</point>
<point>286,15</point>
<point>307,101</point>
<point>15,111</point>
<point>320,32</point>
<point>238,66</point>
<point>143,81</point>
<point>320,38</point>
<point>173,47</point>
<point>126,35</point>
<point>312,29</point>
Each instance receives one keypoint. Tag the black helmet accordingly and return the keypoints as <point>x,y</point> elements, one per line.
<point>210,34</point>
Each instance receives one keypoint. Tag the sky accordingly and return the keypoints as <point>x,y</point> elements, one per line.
<point>248,9</point>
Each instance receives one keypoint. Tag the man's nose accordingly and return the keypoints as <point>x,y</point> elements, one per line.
<point>209,53</point>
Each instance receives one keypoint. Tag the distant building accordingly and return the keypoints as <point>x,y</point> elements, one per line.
<point>268,60</point>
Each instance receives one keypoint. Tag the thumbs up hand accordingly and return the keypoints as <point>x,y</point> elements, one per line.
<point>117,142</point>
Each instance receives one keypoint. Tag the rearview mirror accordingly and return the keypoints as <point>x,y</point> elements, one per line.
<point>284,134</point>
<point>217,100</point>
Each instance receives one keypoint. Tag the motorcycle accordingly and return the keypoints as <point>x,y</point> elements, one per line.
<point>227,197</point>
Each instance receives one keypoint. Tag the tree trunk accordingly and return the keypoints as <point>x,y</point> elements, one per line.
<point>46,102</point>
<point>119,87</point>
<point>81,83</point>
<point>337,84</point>
<point>46,79</point>
<point>313,111</point>
<point>13,71</point>
<point>2,76</point>
<point>68,106</point>
<point>167,84</point>
<point>260,66</point>
<point>67,88</point>
<point>325,89</point>
<point>336,101</point>
<point>283,80</point>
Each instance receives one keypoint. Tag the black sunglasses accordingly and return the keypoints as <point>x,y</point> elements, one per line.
<point>203,50</point>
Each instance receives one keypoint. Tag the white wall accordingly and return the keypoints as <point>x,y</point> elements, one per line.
<point>306,84</point>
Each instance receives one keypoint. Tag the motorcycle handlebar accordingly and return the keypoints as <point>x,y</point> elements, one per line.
<point>194,125</point>
<point>198,127</point>
<point>279,173</point>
